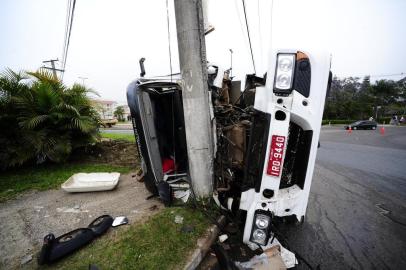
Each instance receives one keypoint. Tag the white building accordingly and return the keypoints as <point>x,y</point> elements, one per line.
<point>105,108</point>
<point>127,113</point>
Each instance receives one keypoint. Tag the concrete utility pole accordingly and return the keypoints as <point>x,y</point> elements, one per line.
<point>193,66</point>
<point>52,61</point>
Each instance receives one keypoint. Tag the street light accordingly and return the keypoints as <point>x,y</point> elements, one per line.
<point>83,79</point>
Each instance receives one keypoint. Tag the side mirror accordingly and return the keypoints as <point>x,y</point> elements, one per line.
<point>142,60</point>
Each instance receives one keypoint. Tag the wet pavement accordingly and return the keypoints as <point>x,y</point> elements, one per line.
<point>356,216</point>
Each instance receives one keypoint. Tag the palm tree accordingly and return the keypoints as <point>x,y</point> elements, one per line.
<point>119,113</point>
<point>45,119</point>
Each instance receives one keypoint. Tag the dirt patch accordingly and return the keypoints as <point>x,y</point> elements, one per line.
<point>26,220</point>
<point>114,152</point>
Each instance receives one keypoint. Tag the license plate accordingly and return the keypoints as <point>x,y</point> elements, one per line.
<point>275,155</point>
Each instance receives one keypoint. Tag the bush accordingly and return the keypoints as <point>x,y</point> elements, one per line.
<point>384,119</point>
<point>346,122</point>
<point>41,119</point>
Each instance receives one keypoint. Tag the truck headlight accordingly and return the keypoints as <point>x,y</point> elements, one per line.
<point>284,71</point>
<point>259,236</point>
<point>262,221</point>
<point>260,228</point>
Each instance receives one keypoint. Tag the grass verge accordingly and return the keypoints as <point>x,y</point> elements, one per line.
<point>118,136</point>
<point>159,243</point>
<point>46,177</point>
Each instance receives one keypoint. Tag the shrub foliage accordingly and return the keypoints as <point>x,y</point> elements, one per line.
<point>41,119</point>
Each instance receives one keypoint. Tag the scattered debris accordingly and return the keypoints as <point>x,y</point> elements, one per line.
<point>269,260</point>
<point>26,259</point>
<point>223,238</point>
<point>150,197</point>
<point>54,248</point>
<point>182,195</point>
<point>223,259</point>
<point>187,228</point>
<point>288,257</point>
<point>87,182</point>
<point>139,175</point>
<point>122,220</point>
<point>38,208</point>
<point>178,219</point>
<point>179,186</point>
<point>154,207</point>
<point>70,210</point>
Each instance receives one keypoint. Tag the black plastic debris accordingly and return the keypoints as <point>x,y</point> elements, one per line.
<point>223,259</point>
<point>54,249</point>
<point>187,228</point>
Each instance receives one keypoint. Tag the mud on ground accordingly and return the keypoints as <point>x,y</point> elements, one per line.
<point>113,152</point>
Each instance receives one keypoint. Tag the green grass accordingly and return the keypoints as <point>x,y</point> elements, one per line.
<point>46,177</point>
<point>157,244</point>
<point>118,136</point>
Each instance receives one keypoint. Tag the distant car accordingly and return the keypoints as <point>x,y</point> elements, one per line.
<point>108,123</point>
<point>365,124</point>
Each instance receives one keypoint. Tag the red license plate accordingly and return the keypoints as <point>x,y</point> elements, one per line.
<point>275,155</point>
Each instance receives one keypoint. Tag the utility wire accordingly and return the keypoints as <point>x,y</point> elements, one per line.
<point>68,9</point>
<point>67,20</point>
<point>169,37</point>
<point>249,37</point>
<point>65,55</point>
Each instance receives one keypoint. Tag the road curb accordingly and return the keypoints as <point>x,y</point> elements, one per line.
<point>203,245</point>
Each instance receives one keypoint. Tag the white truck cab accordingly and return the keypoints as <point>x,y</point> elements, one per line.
<point>293,97</point>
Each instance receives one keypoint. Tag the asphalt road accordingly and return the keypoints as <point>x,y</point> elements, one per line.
<point>356,215</point>
<point>119,128</point>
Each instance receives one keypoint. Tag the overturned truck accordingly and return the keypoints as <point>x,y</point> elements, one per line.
<point>266,138</point>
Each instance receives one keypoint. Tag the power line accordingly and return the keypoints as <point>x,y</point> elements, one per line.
<point>68,34</point>
<point>249,37</point>
<point>67,19</point>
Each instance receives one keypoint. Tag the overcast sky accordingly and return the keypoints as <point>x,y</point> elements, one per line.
<point>108,37</point>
